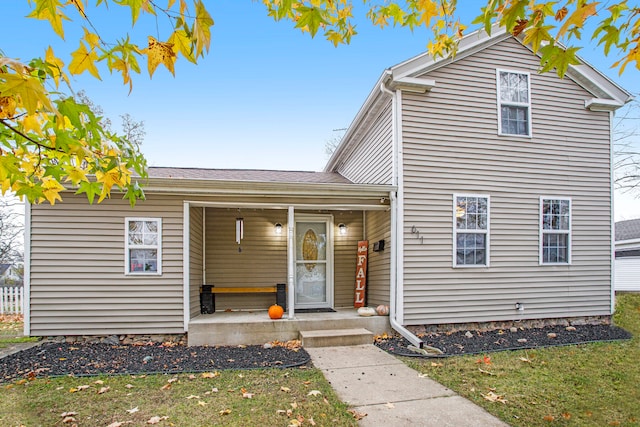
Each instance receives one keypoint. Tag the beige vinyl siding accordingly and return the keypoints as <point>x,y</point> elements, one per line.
<point>627,274</point>
<point>371,161</point>
<point>196,258</point>
<point>344,255</point>
<point>451,145</point>
<point>378,226</point>
<point>78,285</point>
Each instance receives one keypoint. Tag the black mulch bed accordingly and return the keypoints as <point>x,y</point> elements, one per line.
<point>57,359</point>
<point>459,343</point>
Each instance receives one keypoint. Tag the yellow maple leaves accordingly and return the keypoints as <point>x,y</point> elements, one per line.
<point>159,53</point>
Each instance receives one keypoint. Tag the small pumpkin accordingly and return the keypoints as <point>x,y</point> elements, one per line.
<point>382,310</point>
<point>366,311</point>
<point>276,312</point>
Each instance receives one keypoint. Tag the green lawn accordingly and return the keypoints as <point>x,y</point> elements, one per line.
<point>584,385</point>
<point>270,397</point>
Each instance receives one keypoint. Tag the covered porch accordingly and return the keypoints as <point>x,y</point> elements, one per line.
<point>307,241</point>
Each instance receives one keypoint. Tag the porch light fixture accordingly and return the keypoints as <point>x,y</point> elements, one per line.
<point>278,229</point>
<point>239,229</point>
<point>342,229</point>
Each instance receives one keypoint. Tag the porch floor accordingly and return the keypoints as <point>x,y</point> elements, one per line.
<point>255,327</point>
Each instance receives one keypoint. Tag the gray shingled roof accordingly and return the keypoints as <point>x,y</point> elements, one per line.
<point>252,175</point>
<point>628,230</point>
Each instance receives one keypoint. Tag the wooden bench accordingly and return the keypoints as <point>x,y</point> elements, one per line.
<point>208,294</point>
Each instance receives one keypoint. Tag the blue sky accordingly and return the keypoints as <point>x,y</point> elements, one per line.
<point>266,96</point>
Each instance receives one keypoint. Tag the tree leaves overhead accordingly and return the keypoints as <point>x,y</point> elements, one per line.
<point>159,53</point>
<point>48,140</point>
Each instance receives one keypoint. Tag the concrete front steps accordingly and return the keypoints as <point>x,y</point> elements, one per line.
<point>335,337</point>
<point>248,328</point>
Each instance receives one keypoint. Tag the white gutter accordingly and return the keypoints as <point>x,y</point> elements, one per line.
<point>599,104</point>
<point>396,275</point>
<point>26,297</point>
<point>626,242</point>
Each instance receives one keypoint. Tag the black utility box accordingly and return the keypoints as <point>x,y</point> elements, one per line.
<point>281,295</point>
<point>207,305</point>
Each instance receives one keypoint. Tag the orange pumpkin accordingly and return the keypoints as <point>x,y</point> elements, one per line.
<point>276,312</point>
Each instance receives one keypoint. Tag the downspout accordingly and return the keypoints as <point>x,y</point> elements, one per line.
<point>396,275</point>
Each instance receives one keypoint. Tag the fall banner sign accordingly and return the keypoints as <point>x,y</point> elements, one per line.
<point>361,273</point>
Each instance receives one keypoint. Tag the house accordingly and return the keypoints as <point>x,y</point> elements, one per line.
<point>10,275</point>
<point>482,187</point>
<point>627,264</point>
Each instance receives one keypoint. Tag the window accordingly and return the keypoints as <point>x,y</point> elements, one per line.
<point>143,248</point>
<point>471,230</point>
<point>514,103</point>
<point>555,231</point>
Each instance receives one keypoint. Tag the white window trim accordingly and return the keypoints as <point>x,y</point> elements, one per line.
<point>499,104</point>
<point>486,232</point>
<point>542,231</point>
<point>158,247</point>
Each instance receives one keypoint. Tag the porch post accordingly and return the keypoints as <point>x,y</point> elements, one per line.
<point>291,267</point>
<point>186,256</point>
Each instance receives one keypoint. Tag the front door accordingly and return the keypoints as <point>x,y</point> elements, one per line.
<point>314,261</point>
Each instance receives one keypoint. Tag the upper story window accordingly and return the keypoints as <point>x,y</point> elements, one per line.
<point>555,231</point>
<point>471,230</point>
<point>514,103</point>
<point>143,246</point>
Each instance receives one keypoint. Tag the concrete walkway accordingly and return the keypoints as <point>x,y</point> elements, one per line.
<point>376,383</point>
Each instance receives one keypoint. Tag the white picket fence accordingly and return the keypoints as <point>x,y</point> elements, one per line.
<point>11,298</point>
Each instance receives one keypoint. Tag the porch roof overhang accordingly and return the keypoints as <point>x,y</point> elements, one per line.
<point>277,195</point>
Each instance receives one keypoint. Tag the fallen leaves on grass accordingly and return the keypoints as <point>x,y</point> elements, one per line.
<point>493,397</point>
<point>225,412</point>
<point>156,419</point>
<point>486,360</point>
<point>285,389</point>
<point>68,417</point>
<point>314,393</point>
<point>133,410</point>
<point>104,390</point>
<point>210,374</point>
